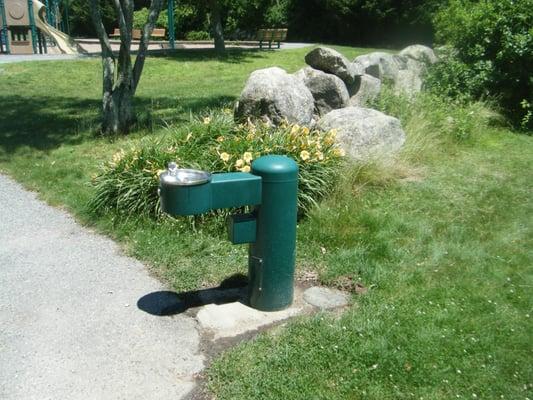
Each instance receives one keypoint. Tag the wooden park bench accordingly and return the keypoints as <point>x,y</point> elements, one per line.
<point>157,33</point>
<point>271,35</point>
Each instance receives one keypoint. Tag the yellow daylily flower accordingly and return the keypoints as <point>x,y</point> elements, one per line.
<point>304,155</point>
<point>118,156</point>
<point>224,156</point>
<point>339,152</point>
<point>295,129</point>
<point>239,163</point>
<point>248,157</point>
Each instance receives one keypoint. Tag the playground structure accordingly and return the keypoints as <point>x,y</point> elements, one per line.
<point>31,27</point>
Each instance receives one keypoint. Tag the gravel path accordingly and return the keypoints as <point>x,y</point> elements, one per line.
<point>69,323</point>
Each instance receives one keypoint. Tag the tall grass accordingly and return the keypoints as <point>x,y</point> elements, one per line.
<point>434,126</point>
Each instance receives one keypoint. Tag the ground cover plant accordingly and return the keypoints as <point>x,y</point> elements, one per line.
<point>441,238</point>
<point>128,183</point>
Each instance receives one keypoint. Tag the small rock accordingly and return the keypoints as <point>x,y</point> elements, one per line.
<point>329,91</point>
<point>333,62</point>
<point>325,298</point>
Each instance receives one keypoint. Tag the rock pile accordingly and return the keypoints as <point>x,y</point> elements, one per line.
<point>332,92</point>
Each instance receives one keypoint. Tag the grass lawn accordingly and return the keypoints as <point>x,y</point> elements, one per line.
<point>444,241</point>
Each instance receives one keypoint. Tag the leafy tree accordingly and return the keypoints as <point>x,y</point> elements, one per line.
<point>493,40</point>
<point>80,17</point>
<point>121,76</point>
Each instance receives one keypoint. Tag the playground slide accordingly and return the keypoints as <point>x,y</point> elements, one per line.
<point>65,43</point>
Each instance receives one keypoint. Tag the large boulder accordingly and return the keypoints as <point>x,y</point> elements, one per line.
<point>367,91</point>
<point>329,91</point>
<point>406,70</point>
<point>381,65</point>
<point>410,79</point>
<point>333,62</point>
<point>364,133</point>
<point>273,95</point>
<point>420,53</point>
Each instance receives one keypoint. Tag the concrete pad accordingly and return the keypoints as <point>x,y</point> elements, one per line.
<point>236,318</point>
<point>326,298</point>
<point>233,319</point>
<point>70,327</point>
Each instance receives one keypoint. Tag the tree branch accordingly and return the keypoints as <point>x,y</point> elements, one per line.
<point>96,16</point>
<point>108,59</point>
<point>121,20</point>
<point>153,14</point>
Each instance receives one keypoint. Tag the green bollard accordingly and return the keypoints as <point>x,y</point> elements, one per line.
<point>272,255</point>
<point>270,229</point>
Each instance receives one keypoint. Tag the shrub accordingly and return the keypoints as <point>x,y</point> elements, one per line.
<point>128,183</point>
<point>141,16</point>
<point>494,57</point>
<point>197,35</point>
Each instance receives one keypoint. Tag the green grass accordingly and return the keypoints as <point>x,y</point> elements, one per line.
<point>442,238</point>
<point>448,259</point>
<point>48,118</point>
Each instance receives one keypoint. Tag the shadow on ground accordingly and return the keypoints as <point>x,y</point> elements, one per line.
<point>44,123</point>
<point>165,303</point>
<point>232,56</point>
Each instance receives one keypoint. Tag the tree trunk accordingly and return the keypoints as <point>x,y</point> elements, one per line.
<point>120,78</point>
<point>117,110</point>
<point>216,26</point>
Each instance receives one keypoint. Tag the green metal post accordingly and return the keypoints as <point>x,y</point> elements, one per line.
<point>32,26</point>
<point>48,18</point>
<point>272,255</point>
<point>67,23</point>
<point>4,25</point>
<point>51,11</point>
<point>171,34</point>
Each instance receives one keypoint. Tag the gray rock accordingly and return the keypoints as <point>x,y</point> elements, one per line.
<point>369,63</point>
<point>410,80</point>
<point>274,95</point>
<point>406,70</point>
<point>329,91</point>
<point>367,91</point>
<point>325,298</point>
<point>333,62</point>
<point>420,53</point>
<point>364,133</point>
<point>382,65</point>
